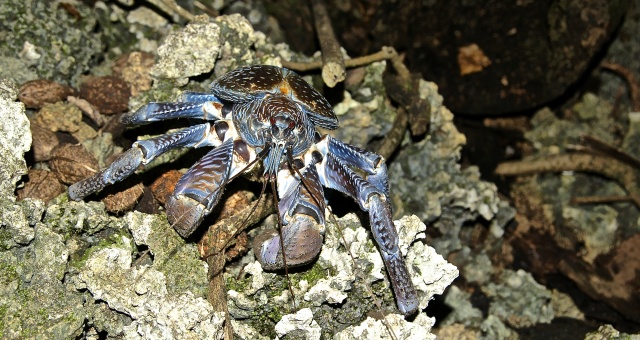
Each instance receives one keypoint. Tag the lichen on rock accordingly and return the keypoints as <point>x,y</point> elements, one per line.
<point>48,40</point>
<point>339,292</point>
<point>15,138</point>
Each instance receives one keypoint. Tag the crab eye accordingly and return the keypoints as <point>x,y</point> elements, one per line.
<point>272,120</point>
<point>292,124</point>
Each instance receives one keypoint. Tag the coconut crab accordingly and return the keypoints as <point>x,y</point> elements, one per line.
<point>266,115</point>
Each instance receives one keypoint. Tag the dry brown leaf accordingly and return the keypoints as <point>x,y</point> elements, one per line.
<point>124,200</point>
<point>37,93</point>
<point>108,94</point>
<point>43,142</point>
<point>72,163</point>
<point>471,59</point>
<point>162,187</point>
<point>41,184</point>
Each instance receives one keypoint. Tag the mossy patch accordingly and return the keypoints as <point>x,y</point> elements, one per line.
<point>118,240</point>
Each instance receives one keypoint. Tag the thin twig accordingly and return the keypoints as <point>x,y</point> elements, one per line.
<point>333,68</point>
<point>172,8</point>
<point>211,12</point>
<point>611,151</point>
<point>605,199</point>
<point>385,53</point>
<point>397,62</point>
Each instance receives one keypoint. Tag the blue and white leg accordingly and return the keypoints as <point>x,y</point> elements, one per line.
<point>141,153</point>
<point>371,194</point>
<point>373,164</point>
<point>197,97</point>
<point>196,105</point>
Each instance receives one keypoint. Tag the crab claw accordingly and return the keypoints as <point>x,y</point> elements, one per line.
<point>302,242</point>
<point>200,188</point>
<point>386,236</point>
<point>185,214</point>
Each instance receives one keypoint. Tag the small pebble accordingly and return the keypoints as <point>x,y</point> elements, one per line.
<point>135,68</point>
<point>59,116</point>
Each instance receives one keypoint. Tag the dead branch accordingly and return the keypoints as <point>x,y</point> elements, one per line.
<point>393,138</point>
<point>333,69</point>
<point>624,174</point>
<point>404,88</point>
<point>385,53</point>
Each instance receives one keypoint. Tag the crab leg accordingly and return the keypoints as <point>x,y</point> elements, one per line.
<point>193,105</point>
<point>301,208</point>
<point>335,172</point>
<point>197,97</point>
<point>143,152</point>
<point>200,188</point>
<point>298,197</point>
<point>362,159</point>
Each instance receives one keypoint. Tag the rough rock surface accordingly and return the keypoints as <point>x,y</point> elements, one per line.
<point>15,138</point>
<point>133,277</point>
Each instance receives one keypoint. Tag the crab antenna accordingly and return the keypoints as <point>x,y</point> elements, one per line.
<point>243,224</point>
<point>259,157</point>
<point>280,226</point>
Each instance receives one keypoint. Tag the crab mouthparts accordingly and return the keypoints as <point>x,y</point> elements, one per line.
<point>273,159</point>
